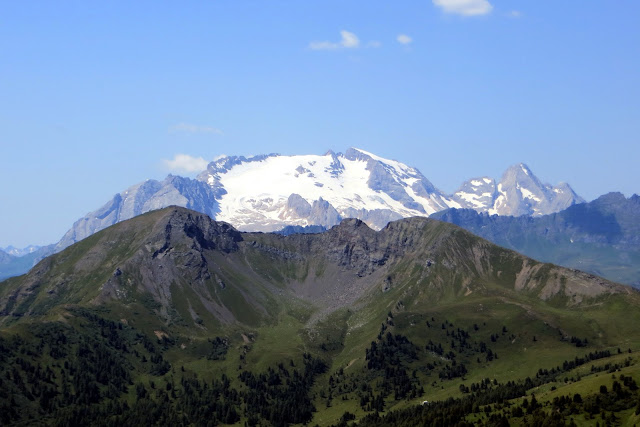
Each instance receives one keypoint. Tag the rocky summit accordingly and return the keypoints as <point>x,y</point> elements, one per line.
<point>519,193</point>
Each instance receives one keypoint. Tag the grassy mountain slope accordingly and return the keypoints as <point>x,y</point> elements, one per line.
<point>601,237</point>
<point>182,311</point>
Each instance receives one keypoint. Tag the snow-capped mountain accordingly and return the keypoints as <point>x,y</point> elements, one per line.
<point>269,192</point>
<point>266,193</point>
<point>519,192</point>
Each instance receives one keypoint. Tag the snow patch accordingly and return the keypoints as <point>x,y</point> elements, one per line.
<point>473,199</point>
<point>452,204</point>
<point>528,194</point>
<point>501,201</point>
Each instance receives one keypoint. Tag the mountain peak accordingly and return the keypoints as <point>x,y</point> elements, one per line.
<point>350,223</point>
<point>614,196</point>
<point>353,153</point>
<point>519,192</point>
<point>520,170</point>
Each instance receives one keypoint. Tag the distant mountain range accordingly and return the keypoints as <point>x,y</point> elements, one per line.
<point>270,192</point>
<point>601,237</point>
<point>18,252</point>
<point>14,265</point>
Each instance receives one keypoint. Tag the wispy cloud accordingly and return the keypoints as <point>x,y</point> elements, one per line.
<point>186,163</point>
<point>404,39</point>
<point>464,7</point>
<point>348,41</point>
<point>191,128</point>
<point>515,14</point>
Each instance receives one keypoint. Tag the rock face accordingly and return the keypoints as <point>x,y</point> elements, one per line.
<point>269,192</point>
<point>518,193</point>
<point>601,237</point>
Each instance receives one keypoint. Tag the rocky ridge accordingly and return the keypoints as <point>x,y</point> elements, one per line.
<point>194,267</point>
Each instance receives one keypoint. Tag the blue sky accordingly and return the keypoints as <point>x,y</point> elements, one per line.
<point>97,96</point>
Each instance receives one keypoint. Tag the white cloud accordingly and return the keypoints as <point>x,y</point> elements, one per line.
<point>374,44</point>
<point>464,7</point>
<point>515,14</point>
<point>191,128</point>
<point>348,41</point>
<point>404,39</point>
<point>186,163</point>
